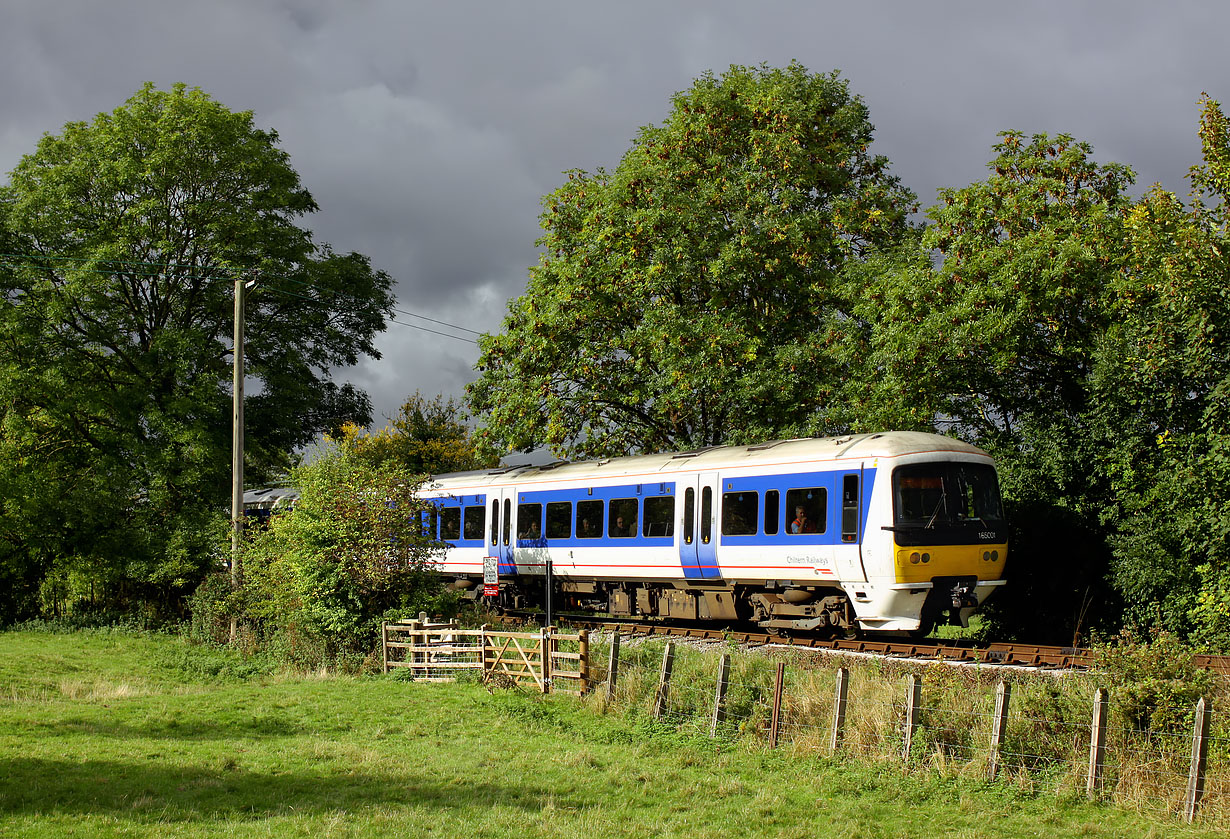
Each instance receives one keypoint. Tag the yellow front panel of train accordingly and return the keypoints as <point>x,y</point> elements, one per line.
<point>921,564</point>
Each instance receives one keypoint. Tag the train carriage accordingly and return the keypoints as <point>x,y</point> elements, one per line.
<point>887,532</point>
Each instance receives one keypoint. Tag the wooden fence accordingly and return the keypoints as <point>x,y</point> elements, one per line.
<point>551,661</point>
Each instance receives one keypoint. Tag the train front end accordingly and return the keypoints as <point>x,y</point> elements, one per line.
<point>949,537</point>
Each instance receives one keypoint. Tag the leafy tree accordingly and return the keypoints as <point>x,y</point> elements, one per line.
<point>123,237</point>
<point>1164,386</point>
<point>678,298</point>
<point>990,326</point>
<point>426,437</point>
<point>351,554</point>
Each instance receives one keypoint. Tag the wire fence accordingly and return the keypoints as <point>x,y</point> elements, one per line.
<point>1040,732</point>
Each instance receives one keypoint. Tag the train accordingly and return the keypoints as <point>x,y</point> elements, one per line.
<point>891,532</point>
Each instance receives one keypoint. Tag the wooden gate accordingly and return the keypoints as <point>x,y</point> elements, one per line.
<point>551,661</point>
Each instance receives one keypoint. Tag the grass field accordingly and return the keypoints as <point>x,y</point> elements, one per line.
<point>116,734</point>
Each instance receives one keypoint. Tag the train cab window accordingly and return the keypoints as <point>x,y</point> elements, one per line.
<point>659,516</point>
<point>507,519</point>
<point>450,524</point>
<point>529,521</point>
<point>849,508</point>
<point>706,515</point>
<point>807,510</point>
<point>772,511</point>
<point>621,518</point>
<point>495,522</point>
<point>689,515</point>
<point>559,519</point>
<point>589,519</point>
<point>740,511</point>
<point>476,517</point>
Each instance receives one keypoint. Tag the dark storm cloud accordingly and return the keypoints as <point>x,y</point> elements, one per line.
<point>428,132</point>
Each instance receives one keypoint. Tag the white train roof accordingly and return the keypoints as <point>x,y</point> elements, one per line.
<point>802,451</point>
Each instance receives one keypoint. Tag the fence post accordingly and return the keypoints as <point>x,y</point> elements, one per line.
<point>999,724</point>
<point>612,669</point>
<point>583,666</point>
<point>1097,744</point>
<point>384,642</point>
<point>412,652</point>
<point>1200,753</point>
<point>913,701</point>
<point>664,680</point>
<point>482,650</point>
<point>547,638</point>
<point>719,696</point>
<point>779,686</point>
<point>839,708</point>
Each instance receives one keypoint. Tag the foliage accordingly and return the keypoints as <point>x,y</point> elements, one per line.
<point>350,554</point>
<point>122,238</point>
<point>677,300</point>
<point>1155,681</point>
<point>426,437</point>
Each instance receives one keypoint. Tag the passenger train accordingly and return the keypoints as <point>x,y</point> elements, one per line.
<point>889,532</point>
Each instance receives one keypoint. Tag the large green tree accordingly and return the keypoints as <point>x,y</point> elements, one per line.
<point>678,298</point>
<point>122,239</point>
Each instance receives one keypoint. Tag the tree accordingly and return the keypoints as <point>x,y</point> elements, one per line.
<point>350,554</point>
<point>426,437</point>
<point>991,326</point>
<point>123,237</point>
<point>677,300</point>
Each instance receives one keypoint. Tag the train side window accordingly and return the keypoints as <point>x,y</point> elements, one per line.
<point>507,519</point>
<point>559,519</point>
<point>495,522</point>
<point>772,511</point>
<point>740,511</point>
<point>529,521</point>
<point>476,518</point>
<point>450,524</point>
<point>807,510</point>
<point>689,515</point>
<point>849,508</point>
<point>659,516</point>
<point>589,519</point>
<point>706,515</point>
<point>621,518</point>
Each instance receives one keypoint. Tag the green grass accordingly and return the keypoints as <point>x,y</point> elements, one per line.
<point>107,734</point>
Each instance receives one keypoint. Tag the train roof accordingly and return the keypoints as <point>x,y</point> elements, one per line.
<point>801,450</point>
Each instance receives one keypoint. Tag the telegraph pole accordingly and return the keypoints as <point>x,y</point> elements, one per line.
<point>237,449</point>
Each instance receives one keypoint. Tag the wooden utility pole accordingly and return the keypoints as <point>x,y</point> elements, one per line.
<point>237,450</point>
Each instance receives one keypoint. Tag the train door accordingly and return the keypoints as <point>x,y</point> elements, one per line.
<point>500,528</point>
<point>698,527</point>
<point>850,549</point>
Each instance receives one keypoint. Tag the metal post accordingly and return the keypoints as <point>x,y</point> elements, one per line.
<point>612,670</point>
<point>719,698</point>
<point>546,657</point>
<point>1097,745</point>
<point>778,687</point>
<point>913,701</point>
<point>1200,753</point>
<point>550,582</point>
<point>999,724</point>
<point>839,708</point>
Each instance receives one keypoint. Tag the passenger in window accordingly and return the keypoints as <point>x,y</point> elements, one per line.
<point>801,523</point>
<point>619,529</point>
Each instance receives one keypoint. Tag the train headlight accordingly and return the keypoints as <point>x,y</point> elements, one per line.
<point>926,557</point>
<point>914,558</point>
<point>995,556</point>
<point>986,556</point>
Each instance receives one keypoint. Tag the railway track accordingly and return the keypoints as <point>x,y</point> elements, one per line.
<point>1017,655</point>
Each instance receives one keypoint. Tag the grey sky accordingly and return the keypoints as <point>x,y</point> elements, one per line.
<point>428,132</point>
